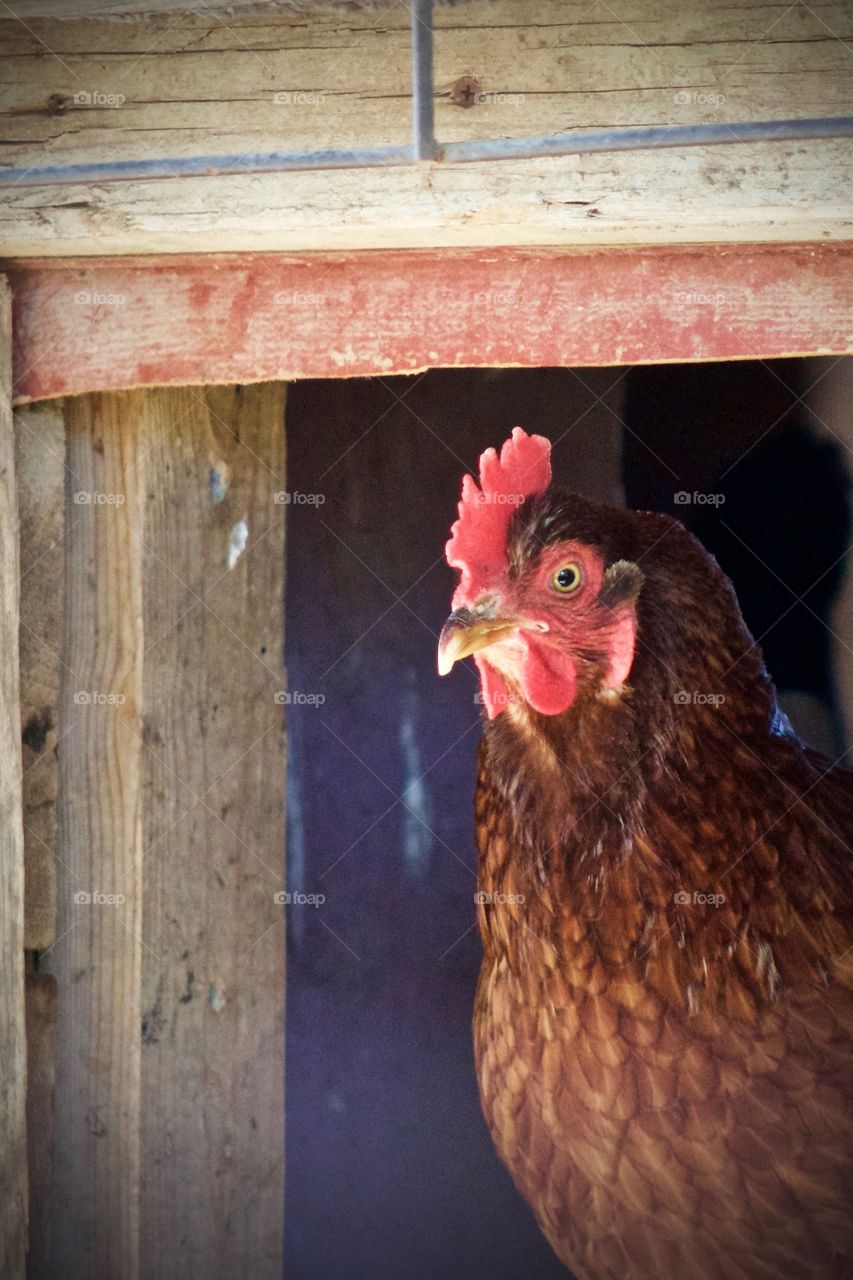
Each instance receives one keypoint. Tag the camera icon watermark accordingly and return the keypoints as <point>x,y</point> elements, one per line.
<point>684,499</point>
<point>498,899</point>
<point>699,98</point>
<point>94,298</point>
<point>684,899</point>
<point>82,898</point>
<point>85,698</point>
<point>284,898</point>
<point>701,298</point>
<point>294,498</point>
<point>497,298</point>
<point>499,699</point>
<point>498,499</point>
<point>685,698</point>
<point>95,98</point>
<point>87,498</point>
<point>296,698</point>
<point>298,298</point>
<point>298,98</point>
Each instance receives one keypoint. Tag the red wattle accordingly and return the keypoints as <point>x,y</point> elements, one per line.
<point>494,692</point>
<point>548,677</point>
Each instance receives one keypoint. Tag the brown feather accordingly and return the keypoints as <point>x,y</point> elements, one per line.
<point>669,1082</point>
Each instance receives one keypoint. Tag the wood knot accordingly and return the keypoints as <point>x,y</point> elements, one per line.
<point>466,92</point>
<point>57,104</point>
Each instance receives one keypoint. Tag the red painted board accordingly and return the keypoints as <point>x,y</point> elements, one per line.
<point>109,323</point>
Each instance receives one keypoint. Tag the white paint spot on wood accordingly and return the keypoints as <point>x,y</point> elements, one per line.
<point>237,542</point>
<point>215,999</point>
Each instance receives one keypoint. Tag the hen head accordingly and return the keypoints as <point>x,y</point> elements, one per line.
<point>543,604</point>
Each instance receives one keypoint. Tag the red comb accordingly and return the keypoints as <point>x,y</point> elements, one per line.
<point>477,543</point>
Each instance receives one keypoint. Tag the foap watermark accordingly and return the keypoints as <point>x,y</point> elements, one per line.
<point>82,898</point>
<point>94,698</point>
<point>695,899</point>
<point>498,899</point>
<point>685,698</point>
<point>298,298</point>
<point>498,699</point>
<point>685,499</point>
<point>699,98</point>
<point>293,498</point>
<point>499,99</point>
<point>295,698</point>
<point>497,298</point>
<point>89,498</point>
<point>298,98</point>
<point>500,499</point>
<point>284,898</point>
<point>94,298</point>
<point>96,98</point>
<point>701,297</point>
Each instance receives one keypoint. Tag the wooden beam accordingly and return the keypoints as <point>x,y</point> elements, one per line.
<point>97,956</point>
<point>115,323</point>
<point>40,460</point>
<point>212,1117</point>
<point>210,80</point>
<point>13,1154</point>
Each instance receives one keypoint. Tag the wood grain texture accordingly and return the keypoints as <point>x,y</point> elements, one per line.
<point>40,460</point>
<point>13,1155</point>
<point>42,1043</point>
<point>199,83</point>
<point>212,1118</point>
<point>95,1217</point>
<point>257,317</point>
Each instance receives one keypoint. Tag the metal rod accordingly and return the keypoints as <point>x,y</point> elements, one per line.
<point>207,166</point>
<point>423,114</point>
<point>650,137</point>
<point>563,144</point>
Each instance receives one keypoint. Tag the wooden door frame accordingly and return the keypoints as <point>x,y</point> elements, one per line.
<point>112,324</point>
<point>115,323</point>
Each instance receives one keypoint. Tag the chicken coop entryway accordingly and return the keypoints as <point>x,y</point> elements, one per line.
<point>383,1118</point>
<point>153,691</point>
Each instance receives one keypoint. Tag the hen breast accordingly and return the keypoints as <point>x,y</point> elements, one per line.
<point>650,1139</point>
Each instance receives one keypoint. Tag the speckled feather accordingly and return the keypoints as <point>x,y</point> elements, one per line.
<point>669,1082</point>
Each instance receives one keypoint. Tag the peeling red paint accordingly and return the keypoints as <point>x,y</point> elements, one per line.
<point>113,323</point>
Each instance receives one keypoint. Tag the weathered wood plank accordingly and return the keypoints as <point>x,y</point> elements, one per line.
<point>40,461</point>
<point>212,1116</point>
<point>259,317</point>
<point>193,83</point>
<point>13,1154</point>
<point>42,1038</point>
<point>95,1216</point>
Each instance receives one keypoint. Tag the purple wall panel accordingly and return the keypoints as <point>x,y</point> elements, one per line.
<point>390,1169</point>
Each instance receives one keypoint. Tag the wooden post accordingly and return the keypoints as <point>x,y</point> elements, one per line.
<point>99,944</point>
<point>40,468</point>
<point>213,962</point>
<point>168,954</point>
<point>40,465</point>
<point>42,1016</point>
<point>13,1153</point>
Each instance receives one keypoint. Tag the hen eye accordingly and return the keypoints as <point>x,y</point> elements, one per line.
<point>567,578</point>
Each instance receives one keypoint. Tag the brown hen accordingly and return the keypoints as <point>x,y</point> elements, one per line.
<point>663,1018</point>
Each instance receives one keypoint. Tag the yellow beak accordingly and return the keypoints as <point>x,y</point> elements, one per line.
<point>464,633</point>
